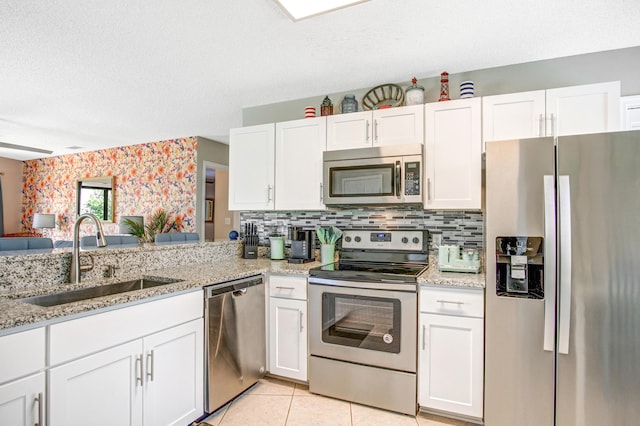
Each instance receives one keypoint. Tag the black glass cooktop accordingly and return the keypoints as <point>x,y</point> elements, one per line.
<point>371,271</point>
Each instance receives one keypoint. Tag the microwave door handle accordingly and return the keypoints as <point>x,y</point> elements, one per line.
<point>398,179</point>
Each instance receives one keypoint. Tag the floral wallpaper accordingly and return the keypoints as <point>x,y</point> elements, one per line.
<point>148,177</point>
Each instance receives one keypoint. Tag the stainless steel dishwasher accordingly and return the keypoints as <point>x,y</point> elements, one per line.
<point>235,339</point>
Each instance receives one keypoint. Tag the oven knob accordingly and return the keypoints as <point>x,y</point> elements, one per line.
<point>416,240</point>
<point>405,240</point>
<point>358,239</point>
<point>347,239</point>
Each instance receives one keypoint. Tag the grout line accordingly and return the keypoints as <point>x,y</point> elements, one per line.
<point>351,412</point>
<point>286,419</point>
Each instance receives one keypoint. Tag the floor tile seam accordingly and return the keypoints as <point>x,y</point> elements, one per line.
<point>286,419</point>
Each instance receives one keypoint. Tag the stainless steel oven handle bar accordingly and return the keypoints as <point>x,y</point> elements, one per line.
<point>450,301</point>
<point>388,285</point>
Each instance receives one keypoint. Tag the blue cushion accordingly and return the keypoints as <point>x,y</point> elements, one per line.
<point>177,237</point>
<point>62,244</point>
<point>25,243</point>
<point>112,240</point>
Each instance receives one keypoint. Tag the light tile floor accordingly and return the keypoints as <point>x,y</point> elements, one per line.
<point>277,402</point>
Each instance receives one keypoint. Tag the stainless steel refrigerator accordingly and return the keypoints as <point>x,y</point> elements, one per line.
<point>562,343</point>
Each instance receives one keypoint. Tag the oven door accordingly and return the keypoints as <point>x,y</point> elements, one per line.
<point>363,325</point>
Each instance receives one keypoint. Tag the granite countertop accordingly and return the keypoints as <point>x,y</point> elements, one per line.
<point>433,276</point>
<point>14,313</point>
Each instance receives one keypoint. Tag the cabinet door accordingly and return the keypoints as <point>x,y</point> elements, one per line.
<point>299,147</point>
<point>100,389</point>
<point>630,113</point>
<point>450,364</point>
<point>288,338</point>
<point>174,375</point>
<point>592,108</point>
<point>251,167</point>
<point>453,158</point>
<point>398,126</point>
<point>345,131</point>
<point>21,401</point>
<point>513,116</point>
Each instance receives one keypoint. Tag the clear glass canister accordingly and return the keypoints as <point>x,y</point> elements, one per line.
<point>349,104</point>
<point>414,93</point>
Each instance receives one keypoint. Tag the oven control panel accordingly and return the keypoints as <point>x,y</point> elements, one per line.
<point>385,240</point>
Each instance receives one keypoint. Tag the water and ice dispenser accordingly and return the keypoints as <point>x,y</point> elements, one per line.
<point>520,267</point>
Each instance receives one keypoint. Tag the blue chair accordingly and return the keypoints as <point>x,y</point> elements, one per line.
<point>25,243</point>
<point>89,241</point>
<point>177,237</point>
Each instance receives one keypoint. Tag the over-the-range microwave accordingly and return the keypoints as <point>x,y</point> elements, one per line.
<point>373,176</point>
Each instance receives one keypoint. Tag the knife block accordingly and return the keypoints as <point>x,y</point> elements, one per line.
<point>249,251</point>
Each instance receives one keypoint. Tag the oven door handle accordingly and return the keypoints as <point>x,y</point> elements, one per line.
<point>398,179</point>
<point>366,285</point>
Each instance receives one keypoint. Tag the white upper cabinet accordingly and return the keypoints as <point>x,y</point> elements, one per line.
<point>453,158</point>
<point>389,126</point>
<point>564,111</point>
<point>591,108</point>
<point>298,171</point>
<point>630,112</point>
<point>513,116</point>
<point>251,167</point>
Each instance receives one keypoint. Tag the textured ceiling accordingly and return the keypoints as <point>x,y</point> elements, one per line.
<point>98,74</point>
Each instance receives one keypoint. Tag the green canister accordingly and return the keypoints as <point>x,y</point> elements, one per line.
<point>277,247</point>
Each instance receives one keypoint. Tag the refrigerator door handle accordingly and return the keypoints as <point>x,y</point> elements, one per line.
<point>549,262</point>
<point>565,264</point>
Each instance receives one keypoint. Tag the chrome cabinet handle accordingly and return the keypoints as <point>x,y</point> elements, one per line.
<point>301,322</point>
<point>541,125</point>
<point>549,262</point>
<point>285,288</point>
<point>150,368</point>
<point>564,306</point>
<point>269,188</point>
<point>454,302</point>
<point>321,194</point>
<point>429,189</point>
<point>38,400</point>
<point>367,140</point>
<point>139,370</point>
<point>424,337</point>
<point>375,130</point>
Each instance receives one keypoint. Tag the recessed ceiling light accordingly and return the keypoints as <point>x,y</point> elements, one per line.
<point>74,147</point>
<point>300,9</point>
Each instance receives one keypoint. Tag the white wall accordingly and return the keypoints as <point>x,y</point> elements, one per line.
<point>613,65</point>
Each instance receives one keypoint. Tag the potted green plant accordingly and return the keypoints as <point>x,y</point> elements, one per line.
<point>328,237</point>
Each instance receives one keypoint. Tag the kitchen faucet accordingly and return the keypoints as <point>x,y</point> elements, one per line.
<point>76,268</point>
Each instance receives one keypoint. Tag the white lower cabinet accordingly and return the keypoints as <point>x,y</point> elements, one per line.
<point>102,389</point>
<point>22,378</point>
<point>288,327</point>
<point>156,380</point>
<point>451,351</point>
<point>22,401</point>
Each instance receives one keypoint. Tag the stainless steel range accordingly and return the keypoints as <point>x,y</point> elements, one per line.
<point>363,313</point>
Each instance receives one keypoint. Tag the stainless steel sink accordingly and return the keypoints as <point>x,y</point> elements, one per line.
<point>99,291</point>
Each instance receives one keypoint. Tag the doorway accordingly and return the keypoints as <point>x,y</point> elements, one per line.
<point>218,220</point>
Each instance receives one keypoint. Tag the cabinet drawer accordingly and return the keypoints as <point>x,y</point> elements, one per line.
<point>452,301</point>
<point>21,354</point>
<point>288,287</point>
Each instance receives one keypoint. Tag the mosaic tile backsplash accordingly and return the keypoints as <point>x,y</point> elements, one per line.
<point>464,228</point>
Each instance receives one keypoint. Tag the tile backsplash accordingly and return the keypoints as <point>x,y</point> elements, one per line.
<point>464,228</point>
